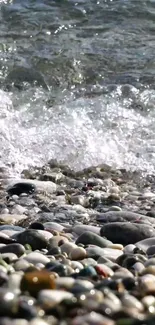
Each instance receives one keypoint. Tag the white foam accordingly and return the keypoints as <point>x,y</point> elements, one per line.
<point>81,132</point>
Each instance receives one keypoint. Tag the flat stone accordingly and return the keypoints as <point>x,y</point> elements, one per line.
<point>123,216</point>
<point>104,252</point>
<point>151,250</point>
<point>68,247</point>
<point>78,253</point>
<point>32,237</point>
<point>53,297</point>
<point>92,318</point>
<point>21,265</point>
<point>80,229</point>
<point>129,301</point>
<point>126,233</point>
<point>4,239</point>
<point>12,218</point>
<point>36,258</point>
<point>146,243</point>
<point>46,234</point>
<point>33,185</point>
<point>16,248</point>
<point>150,261</point>
<point>88,238</point>
<point>14,282</point>
<point>18,209</point>
<point>53,226</point>
<point>64,282</point>
<point>104,270</point>
<point>38,321</point>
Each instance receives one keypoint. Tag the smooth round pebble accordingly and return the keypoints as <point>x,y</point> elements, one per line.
<point>78,253</point>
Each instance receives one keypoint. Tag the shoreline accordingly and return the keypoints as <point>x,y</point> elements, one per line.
<point>79,245</point>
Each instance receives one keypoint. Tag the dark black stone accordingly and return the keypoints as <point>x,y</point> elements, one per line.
<point>16,248</point>
<point>4,239</point>
<point>54,251</point>
<point>126,232</point>
<point>37,225</point>
<point>88,238</point>
<point>57,268</point>
<point>20,188</point>
<point>129,283</point>
<point>33,238</point>
<point>26,311</point>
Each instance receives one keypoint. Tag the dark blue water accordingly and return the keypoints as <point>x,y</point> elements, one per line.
<point>77,83</point>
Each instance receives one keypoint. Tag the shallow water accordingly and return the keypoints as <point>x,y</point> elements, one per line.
<point>97,60</point>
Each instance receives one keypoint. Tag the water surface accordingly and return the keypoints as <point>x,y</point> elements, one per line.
<point>95,101</point>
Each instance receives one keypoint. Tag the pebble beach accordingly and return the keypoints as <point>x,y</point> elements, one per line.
<point>77,247</point>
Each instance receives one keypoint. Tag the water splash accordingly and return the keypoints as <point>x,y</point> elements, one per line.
<point>81,132</point>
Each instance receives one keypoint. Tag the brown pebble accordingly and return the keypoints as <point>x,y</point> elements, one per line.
<point>35,281</point>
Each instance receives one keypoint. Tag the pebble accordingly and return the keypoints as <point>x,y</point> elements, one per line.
<point>53,297</point>
<point>104,252</point>
<point>89,237</point>
<point>34,282</point>
<point>17,249</point>
<point>14,282</point>
<point>11,219</point>
<point>116,246</point>
<point>64,283</point>
<point>21,265</point>
<point>80,229</point>
<point>18,209</point>
<point>129,301</point>
<point>146,243</point>
<point>32,237</point>
<point>19,188</point>
<point>104,270</point>
<point>122,216</point>
<point>78,253</point>
<point>57,241</point>
<point>77,247</point>
<point>29,186</point>
<point>68,247</point>
<point>5,239</point>
<point>36,257</point>
<point>126,233</point>
<point>92,318</point>
<point>150,261</point>
<point>53,226</point>
<point>9,257</point>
